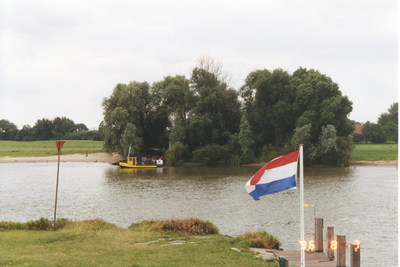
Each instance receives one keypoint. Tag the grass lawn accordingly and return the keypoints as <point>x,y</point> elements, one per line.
<point>47,148</point>
<point>375,152</point>
<point>83,245</point>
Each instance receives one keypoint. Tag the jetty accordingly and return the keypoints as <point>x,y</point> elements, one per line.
<point>312,259</point>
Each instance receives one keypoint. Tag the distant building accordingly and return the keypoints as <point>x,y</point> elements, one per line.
<point>358,129</point>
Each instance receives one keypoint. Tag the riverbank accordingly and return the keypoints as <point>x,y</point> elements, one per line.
<point>94,157</point>
<point>111,158</point>
<point>99,243</point>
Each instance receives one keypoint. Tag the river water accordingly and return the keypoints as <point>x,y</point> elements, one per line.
<point>361,203</point>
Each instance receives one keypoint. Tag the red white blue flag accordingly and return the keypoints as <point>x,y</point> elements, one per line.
<point>277,175</point>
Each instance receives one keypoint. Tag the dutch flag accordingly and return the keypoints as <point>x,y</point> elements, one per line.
<point>277,175</point>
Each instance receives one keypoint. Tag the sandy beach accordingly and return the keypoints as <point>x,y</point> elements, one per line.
<point>111,158</point>
<point>96,157</point>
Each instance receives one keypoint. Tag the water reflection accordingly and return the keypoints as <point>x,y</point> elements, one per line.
<point>361,203</point>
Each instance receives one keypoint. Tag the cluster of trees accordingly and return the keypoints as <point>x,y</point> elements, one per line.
<point>46,129</point>
<point>202,118</point>
<point>385,130</point>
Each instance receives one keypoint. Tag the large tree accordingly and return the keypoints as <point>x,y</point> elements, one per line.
<point>8,130</point>
<point>277,102</point>
<point>137,104</point>
<point>268,103</point>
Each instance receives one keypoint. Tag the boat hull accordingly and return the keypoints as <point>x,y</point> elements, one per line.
<point>126,165</point>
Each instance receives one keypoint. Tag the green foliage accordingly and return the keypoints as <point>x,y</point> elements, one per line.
<point>374,133</point>
<point>358,138</point>
<point>8,225</point>
<point>130,141</point>
<point>41,224</point>
<point>246,139</point>
<point>392,131</point>
<point>329,150</point>
<point>259,239</point>
<point>44,129</point>
<point>391,116</point>
<point>137,104</point>
<point>212,154</point>
<point>191,226</point>
<point>177,154</point>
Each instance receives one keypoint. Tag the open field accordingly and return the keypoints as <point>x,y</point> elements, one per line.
<point>375,152</point>
<point>98,243</point>
<point>47,148</point>
<point>36,151</point>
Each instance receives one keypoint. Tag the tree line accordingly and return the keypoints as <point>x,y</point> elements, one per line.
<point>385,130</point>
<point>46,129</point>
<point>203,119</point>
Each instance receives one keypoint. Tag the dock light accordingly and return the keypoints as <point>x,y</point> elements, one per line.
<point>304,244</point>
<point>334,245</point>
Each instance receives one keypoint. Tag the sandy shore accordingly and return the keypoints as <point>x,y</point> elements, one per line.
<point>108,158</point>
<point>96,157</point>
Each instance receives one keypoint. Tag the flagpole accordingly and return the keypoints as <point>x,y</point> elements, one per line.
<point>302,238</point>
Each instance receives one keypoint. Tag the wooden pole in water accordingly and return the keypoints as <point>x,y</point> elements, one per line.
<point>341,251</point>
<point>330,248</point>
<point>355,256</point>
<point>319,231</point>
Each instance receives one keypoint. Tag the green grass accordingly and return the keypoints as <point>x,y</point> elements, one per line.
<point>47,148</point>
<point>90,243</point>
<point>375,152</point>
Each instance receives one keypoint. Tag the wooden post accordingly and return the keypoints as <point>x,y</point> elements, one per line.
<point>341,251</point>
<point>59,145</point>
<point>355,256</point>
<point>58,171</point>
<point>319,232</point>
<point>330,236</point>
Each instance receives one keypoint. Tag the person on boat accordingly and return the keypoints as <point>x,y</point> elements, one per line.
<point>143,160</point>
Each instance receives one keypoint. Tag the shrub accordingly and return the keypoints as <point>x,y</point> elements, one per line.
<point>177,154</point>
<point>41,224</point>
<point>11,225</point>
<point>191,226</point>
<point>259,239</point>
<point>212,154</point>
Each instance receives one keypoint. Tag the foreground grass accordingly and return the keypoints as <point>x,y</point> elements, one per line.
<point>374,152</point>
<point>98,243</point>
<point>47,148</point>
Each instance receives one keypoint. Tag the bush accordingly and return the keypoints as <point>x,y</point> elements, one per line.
<point>212,155</point>
<point>41,224</point>
<point>177,154</point>
<point>260,239</point>
<point>11,225</point>
<point>191,226</point>
<point>358,138</point>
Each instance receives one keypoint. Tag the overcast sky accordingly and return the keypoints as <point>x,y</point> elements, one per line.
<point>61,58</point>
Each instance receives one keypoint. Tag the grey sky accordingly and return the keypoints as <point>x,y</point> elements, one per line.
<point>61,58</point>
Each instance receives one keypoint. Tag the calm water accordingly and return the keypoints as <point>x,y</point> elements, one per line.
<point>361,203</point>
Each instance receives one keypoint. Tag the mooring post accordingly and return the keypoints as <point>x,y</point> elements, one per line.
<point>319,235</point>
<point>341,251</point>
<point>355,256</point>
<point>330,247</point>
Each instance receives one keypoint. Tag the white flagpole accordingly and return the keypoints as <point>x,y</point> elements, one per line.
<point>302,238</point>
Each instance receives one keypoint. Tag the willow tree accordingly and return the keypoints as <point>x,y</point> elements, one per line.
<point>277,103</point>
<point>134,104</point>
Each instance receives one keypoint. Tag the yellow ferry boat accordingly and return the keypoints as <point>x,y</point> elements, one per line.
<point>132,163</point>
